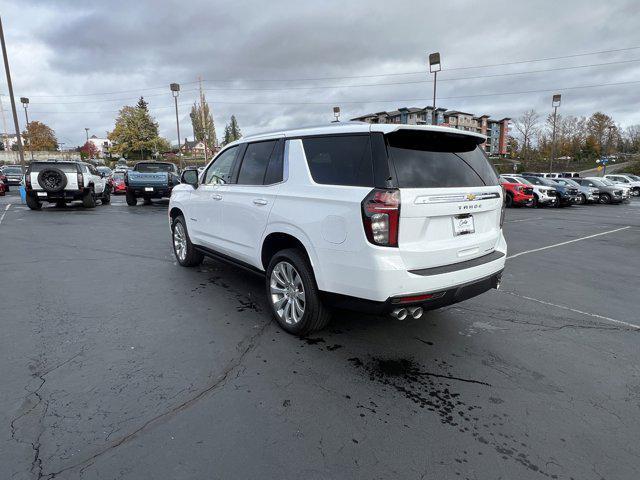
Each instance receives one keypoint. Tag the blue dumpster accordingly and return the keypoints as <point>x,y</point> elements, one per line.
<point>23,194</point>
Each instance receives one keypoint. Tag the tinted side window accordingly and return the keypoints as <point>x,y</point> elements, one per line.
<point>255,162</point>
<point>340,159</point>
<point>275,170</point>
<point>219,171</point>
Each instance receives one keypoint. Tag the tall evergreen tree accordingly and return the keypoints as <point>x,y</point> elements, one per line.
<point>136,132</point>
<point>232,131</point>
<point>206,130</point>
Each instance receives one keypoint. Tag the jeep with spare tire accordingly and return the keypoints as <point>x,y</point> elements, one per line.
<point>61,182</point>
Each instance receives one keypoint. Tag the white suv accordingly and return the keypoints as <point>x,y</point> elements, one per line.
<point>625,181</point>
<point>63,182</point>
<point>379,218</point>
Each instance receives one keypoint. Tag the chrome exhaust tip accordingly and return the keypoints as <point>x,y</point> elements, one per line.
<point>416,312</point>
<point>399,313</point>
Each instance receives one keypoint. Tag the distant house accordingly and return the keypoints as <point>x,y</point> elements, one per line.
<point>196,148</point>
<point>9,140</point>
<point>102,145</point>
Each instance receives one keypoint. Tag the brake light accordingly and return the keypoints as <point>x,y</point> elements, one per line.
<point>27,180</point>
<point>80,180</point>
<point>504,199</point>
<point>381,217</point>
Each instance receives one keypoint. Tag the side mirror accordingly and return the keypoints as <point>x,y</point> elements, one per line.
<point>190,176</point>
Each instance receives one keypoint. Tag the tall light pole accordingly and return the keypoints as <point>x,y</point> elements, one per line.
<point>86,131</point>
<point>555,103</point>
<point>13,101</point>
<point>434,67</point>
<point>175,91</point>
<point>606,153</point>
<point>25,104</point>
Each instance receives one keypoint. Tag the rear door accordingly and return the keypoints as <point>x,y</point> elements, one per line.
<point>450,195</point>
<point>249,199</point>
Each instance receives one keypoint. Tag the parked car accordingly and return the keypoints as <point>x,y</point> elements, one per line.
<point>542,196</point>
<point>118,184</point>
<point>566,195</point>
<point>149,180</point>
<point>626,181</point>
<point>517,194</point>
<point>3,187</point>
<point>63,182</point>
<point>570,174</point>
<point>626,191</point>
<point>13,174</point>
<point>387,218</point>
<point>3,182</point>
<point>608,193</point>
<point>585,194</point>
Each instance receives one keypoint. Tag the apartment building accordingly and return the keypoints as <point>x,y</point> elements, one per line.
<point>496,131</point>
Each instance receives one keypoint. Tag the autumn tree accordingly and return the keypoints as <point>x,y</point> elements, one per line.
<point>89,150</point>
<point>527,126</point>
<point>136,133</point>
<point>232,131</point>
<point>203,130</point>
<point>40,137</point>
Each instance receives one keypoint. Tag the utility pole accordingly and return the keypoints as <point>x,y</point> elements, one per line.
<point>555,103</point>
<point>606,158</point>
<point>202,117</point>
<point>13,101</point>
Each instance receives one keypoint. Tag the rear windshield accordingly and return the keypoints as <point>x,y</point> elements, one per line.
<point>118,176</point>
<point>438,160</point>
<point>154,167</point>
<point>12,170</point>
<point>65,167</point>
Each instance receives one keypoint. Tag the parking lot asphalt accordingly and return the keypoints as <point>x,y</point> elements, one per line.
<point>118,363</point>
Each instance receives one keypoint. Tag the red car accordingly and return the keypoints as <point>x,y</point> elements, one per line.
<point>517,194</point>
<point>4,185</point>
<point>118,185</point>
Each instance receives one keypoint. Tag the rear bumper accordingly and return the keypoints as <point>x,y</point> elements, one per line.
<point>66,195</point>
<point>441,298</point>
<point>158,191</point>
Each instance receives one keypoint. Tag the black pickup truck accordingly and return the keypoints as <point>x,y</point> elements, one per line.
<point>149,180</point>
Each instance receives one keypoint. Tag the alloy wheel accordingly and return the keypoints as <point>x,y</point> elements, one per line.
<point>180,241</point>
<point>287,293</point>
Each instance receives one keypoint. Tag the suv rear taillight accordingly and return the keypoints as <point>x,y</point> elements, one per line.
<point>381,217</point>
<point>27,180</point>
<point>80,180</point>
<point>504,203</point>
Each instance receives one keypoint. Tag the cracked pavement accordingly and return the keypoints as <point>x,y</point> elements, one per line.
<point>119,364</point>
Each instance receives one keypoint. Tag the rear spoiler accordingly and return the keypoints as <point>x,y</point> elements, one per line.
<point>389,128</point>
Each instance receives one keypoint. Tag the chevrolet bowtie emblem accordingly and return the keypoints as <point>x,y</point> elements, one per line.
<point>470,197</point>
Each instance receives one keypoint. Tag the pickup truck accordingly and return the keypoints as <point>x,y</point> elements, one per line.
<point>149,180</point>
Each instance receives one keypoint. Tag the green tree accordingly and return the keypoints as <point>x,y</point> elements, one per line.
<point>232,131</point>
<point>206,130</point>
<point>136,133</point>
<point>40,137</point>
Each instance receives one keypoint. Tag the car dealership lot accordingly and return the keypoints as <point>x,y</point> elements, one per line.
<point>116,363</point>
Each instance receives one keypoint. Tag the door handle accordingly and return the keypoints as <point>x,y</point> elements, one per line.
<point>259,201</point>
<point>216,196</point>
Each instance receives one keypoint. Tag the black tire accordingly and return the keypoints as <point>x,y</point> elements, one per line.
<point>89,199</point>
<point>106,196</point>
<point>605,198</point>
<point>131,199</point>
<point>583,199</point>
<point>508,200</point>
<point>192,257</point>
<point>52,179</point>
<point>33,203</point>
<point>315,316</point>
<point>535,203</point>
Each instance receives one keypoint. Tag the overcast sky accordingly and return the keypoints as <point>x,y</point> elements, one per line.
<point>80,62</point>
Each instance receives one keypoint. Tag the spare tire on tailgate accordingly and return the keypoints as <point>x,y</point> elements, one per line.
<point>52,179</point>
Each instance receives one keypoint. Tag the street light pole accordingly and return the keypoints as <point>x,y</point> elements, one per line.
<point>555,103</point>
<point>604,164</point>
<point>86,131</point>
<point>25,104</point>
<point>175,91</point>
<point>336,114</point>
<point>434,67</point>
<point>13,101</point>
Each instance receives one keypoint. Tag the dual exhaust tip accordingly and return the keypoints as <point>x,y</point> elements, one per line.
<point>402,313</point>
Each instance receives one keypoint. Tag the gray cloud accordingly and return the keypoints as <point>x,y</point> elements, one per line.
<point>71,48</point>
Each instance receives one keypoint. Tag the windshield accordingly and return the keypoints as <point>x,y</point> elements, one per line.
<point>597,182</point>
<point>635,178</point>
<point>522,180</point>
<point>12,170</point>
<point>154,167</point>
<point>607,182</point>
<point>436,160</point>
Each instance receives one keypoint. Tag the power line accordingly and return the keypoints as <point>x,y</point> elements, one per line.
<point>357,76</point>
<point>358,102</point>
<point>353,85</point>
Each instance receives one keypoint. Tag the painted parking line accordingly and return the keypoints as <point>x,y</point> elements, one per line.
<point>574,310</point>
<point>525,220</point>
<point>526,252</point>
<point>4,213</point>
